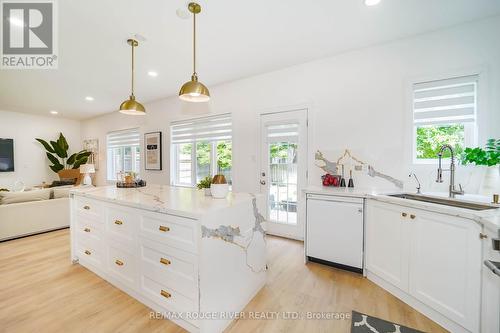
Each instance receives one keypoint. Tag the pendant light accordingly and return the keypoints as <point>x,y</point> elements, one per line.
<point>131,106</point>
<point>194,91</point>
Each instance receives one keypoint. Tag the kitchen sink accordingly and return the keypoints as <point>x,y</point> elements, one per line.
<point>444,201</point>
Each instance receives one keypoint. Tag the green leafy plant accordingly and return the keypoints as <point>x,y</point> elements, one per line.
<point>489,156</point>
<point>204,183</point>
<point>57,153</point>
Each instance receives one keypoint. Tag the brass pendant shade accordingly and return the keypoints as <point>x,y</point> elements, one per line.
<point>194,91</point>
<point>131,106</point>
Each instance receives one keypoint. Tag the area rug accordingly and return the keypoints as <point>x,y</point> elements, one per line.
<point>362,323</point>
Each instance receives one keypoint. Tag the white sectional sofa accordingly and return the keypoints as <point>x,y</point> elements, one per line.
<point>32,212</point>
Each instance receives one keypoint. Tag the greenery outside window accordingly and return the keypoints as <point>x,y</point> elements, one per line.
<point>201,147</point>
<point>444,112</point>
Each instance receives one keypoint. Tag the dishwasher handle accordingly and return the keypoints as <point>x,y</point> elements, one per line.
<point>335,198</point>
<point>493,266</point>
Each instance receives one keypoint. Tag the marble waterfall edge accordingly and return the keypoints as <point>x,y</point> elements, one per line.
<point>229,234</point>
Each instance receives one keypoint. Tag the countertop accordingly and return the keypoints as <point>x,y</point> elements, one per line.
<point>488,218</point>
<point>164,199</point>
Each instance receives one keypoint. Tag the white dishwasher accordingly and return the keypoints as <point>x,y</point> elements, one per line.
<point>334,231</point>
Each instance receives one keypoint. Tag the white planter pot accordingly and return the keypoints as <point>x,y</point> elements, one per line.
<point>219,191</point>
<point>491,181</point>
<point>207,192</point>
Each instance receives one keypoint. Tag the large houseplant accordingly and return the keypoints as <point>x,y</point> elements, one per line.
<point>489,158</point>
<point>57,153</point>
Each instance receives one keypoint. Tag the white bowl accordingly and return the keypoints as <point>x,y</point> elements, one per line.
<point>219,191</point>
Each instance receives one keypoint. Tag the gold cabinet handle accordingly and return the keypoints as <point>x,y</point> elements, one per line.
<point>404,214</point>
<point>118,222</point>
<point>482,236</point>
<point>86,207</point>
<point>164,228</point>
<point>412,216</point>
<point>165,261</point>
<point>165,294</point>
<point>119,262</point>
<point>86,230</point>
<point>87,252</point>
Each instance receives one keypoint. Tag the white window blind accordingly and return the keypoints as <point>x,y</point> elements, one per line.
<point>451,100</point>
<point>214,128</point>
<point>125,138</point>
<point>283,132</point>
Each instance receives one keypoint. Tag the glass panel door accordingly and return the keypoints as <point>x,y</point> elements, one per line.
<point>284,171</point>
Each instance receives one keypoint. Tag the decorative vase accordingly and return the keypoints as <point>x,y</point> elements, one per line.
<point>491,181</point>
<point>219,191</point>
<point>207,192</point>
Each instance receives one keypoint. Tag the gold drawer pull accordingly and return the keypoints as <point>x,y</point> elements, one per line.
<point>86,207</point>
<point>404,214</point>
<point>165,261</point>
<point>164,228</point>
<point>165,294</point>
<point>86,230</point>
<point>87,252</point>
<point>118,222</point>
<point>412,216</point>
<point>119,262</point>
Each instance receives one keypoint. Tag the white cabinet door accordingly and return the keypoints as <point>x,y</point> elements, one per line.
<point>387,243</point>
<point>445,266</point>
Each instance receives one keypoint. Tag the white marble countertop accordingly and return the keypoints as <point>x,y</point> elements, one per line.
<point>164,199</point>
<point>488,218</point>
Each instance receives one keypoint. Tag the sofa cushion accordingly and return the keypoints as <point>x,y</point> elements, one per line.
<point>61,191</point>
<point>17,197</point>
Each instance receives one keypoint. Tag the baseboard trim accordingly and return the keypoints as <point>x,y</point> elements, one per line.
<point>32,234</point>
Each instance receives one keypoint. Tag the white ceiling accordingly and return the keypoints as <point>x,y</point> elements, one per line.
<point>236,39</point>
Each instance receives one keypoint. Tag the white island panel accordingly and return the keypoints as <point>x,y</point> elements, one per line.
<point>175,250</point>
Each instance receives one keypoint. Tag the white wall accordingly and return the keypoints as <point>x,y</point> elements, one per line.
<point>30,162</point>
<point>357,100</point>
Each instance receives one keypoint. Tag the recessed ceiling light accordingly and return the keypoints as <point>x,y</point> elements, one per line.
<point>372,2</point>
<point>89,98</point>
<point>53,112</point>
<point>153,73</point>
<point>182,13</point>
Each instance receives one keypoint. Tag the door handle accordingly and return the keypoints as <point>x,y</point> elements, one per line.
<point>262,182</point>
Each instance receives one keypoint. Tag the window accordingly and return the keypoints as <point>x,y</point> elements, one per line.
<point>124,152</point>
<point>444,112</point>
<point>201,147</point>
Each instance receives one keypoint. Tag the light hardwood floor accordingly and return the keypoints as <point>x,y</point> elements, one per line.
<point>41,291</point>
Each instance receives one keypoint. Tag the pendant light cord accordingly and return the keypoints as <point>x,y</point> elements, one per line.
<point>133,67</point>
<point>194,44</point>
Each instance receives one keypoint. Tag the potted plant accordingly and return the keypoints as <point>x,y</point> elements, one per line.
<point>65,165</point>
<point>489,157</point>
<point>204,184</point>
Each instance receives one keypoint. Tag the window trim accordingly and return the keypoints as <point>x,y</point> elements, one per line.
<point>471,133</point>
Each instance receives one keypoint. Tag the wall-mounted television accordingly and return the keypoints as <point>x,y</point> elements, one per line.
<point>6,155</point>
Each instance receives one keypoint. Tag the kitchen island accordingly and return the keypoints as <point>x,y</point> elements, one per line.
<point>193,259</point>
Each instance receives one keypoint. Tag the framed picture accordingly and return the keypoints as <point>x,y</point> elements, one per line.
<point>92,145</point>
<point>152,143</point>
